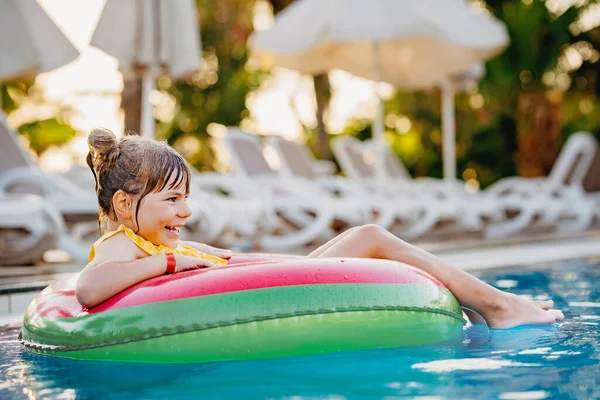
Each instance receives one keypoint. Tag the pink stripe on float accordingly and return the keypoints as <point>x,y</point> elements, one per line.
<point>262,275</point>
<point>245,272</point>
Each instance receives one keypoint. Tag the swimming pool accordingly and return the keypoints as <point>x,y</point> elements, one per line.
<point>522,363</point>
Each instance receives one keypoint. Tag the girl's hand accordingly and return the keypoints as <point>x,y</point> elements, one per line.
<point>215,251</point>
<point>186,263</point>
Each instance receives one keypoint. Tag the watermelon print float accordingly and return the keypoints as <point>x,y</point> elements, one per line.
<point>257,307</point>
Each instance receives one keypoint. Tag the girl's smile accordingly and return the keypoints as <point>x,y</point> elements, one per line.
<point>162,214</point>
<point>173,230</point>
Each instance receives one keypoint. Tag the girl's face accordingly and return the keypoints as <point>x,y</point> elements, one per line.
<point>162,214</point>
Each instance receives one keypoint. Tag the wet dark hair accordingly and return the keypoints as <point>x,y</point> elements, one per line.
<point>134,164</point>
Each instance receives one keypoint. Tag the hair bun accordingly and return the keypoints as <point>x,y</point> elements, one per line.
<point>104,147</point>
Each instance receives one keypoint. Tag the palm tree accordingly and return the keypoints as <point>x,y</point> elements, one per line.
<point>529,79</point>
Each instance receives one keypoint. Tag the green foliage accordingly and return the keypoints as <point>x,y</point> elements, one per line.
<point>537,41</point>
<point>46,133</point>
<point>494,138</point>
<point>41,134</point>
<point>12,90</point>
<point>218,93</point>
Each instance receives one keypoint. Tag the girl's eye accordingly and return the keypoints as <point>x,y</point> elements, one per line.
<point>173,199</point>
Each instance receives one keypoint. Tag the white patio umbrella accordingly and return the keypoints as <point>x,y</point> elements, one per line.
<point>148,37</point>
<point>30,43</point>
<point>412,44</point>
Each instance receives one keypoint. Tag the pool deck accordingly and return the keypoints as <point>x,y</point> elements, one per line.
<point>19,285</point>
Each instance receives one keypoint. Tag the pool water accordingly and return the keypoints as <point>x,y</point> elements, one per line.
<point>522,363</point>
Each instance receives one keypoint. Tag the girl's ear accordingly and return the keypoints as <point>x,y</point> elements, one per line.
<point>123,204</point>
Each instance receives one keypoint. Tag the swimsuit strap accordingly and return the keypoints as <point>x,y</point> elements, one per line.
<point>152,249</point>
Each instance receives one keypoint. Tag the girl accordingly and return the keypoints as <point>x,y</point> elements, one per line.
<point>142,187</point>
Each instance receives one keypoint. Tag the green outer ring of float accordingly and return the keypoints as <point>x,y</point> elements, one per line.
<point>254,324</point>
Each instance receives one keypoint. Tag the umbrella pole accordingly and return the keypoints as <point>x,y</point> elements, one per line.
<point>448,129</point>
<point>148,86</point>
<point>378,128</point>
<point>151,30</point>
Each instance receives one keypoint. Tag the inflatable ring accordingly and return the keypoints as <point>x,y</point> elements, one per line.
<point>257,307</point>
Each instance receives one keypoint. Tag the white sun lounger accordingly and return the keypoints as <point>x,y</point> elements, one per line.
<point>590,193</point>
<point>390,170</point>
<point>297,162</point>
<point>29,226</point>
<point>232,213</point>
<point>393,170</point>
<point>307,207</point>
<point>438,215</point>
<point>539,203</point>
<point>557,201</point>
<point>19,173</point>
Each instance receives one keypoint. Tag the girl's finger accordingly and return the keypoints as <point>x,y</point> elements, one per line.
<point>226,254</point>
<point>217,250</point>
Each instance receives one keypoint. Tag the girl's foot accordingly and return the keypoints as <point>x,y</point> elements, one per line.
<point>516,310</point>
<point>544,304</point>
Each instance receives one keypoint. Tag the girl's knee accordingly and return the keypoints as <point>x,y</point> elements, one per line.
<point>371,230</point>
<point>380,236</point>
<point>374,233</point>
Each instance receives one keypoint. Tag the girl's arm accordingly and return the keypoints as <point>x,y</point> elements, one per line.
<point>118,264</point>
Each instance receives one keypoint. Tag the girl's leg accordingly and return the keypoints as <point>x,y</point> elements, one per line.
<point>321,249</point>
<point>500,309</point>
<point>473,316</point>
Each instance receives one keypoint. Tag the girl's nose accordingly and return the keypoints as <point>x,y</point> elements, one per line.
<point>185,211</point>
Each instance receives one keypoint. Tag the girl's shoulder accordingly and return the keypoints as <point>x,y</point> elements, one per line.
<point>116,247</point>
<point>118,240</point>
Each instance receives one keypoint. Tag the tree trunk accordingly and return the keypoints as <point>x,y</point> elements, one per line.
<point>539,123</point>
<point>323,94</point>
<point>131,103</point>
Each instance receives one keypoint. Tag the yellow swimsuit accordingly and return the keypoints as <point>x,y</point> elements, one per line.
<point>153,249</point>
